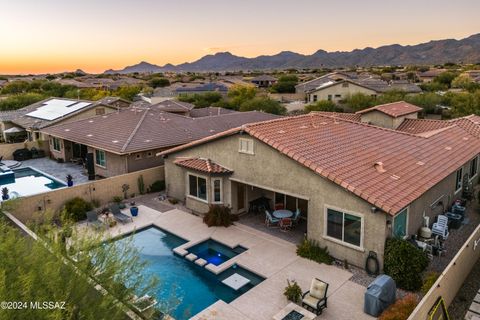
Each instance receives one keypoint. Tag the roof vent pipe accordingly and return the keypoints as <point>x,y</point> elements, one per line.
<point>379,167</point>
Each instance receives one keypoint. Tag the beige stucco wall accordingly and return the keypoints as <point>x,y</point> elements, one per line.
<point>33,207</point>
<point>147,159</point>
<point>273,171</point>
<point>115,164</point>
<point>7,149</point>
<point>380,119</point>
<point>338,89</point>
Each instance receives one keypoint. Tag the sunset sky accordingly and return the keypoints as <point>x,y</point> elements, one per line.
<point>63,35</point>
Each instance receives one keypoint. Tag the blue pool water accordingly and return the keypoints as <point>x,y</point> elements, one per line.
<point>215,252</point>
<point>28,181</point>
<point>194,287</point>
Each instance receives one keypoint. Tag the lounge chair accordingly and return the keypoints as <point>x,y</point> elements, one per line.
<point>316,298</point>
<point>270,220</point>
<point>92,218</point>
<point>441,227</point>
<point>118,215</point>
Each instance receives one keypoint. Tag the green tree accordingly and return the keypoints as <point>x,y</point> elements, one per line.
<point>159,82</point>
<point>16,87</point>
<point>285,84</point>
<point>359,101</point>
<point>20,100</point>
<point>44,271</point>
<point>445,78</point>
<point>323,105</point>
<point>263,104</point>
<point>239,94</point>
<point>202,100</point>
<point>127,92</point>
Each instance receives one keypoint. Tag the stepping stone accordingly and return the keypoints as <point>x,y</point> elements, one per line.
<point>201,262</point>
<point>477,298</point>
<point>236,281</point>
<point>475,307</point>
<point>472,316</point>
<point>180,251</point>
<point>191,257</point>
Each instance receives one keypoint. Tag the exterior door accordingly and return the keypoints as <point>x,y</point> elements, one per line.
<point>241,190</point>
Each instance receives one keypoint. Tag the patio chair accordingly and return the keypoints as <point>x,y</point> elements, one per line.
<point>286,224</point>
<point>316,298</point>
<point>441,227</point>
<point>92,218</point>
<point>270,220</point>
<point>279,206</point>
<point>118,215</point>
<point>296,217</point>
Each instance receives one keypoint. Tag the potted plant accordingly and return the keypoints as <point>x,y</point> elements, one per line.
<point>5,195</point>
<point>118,200</point>
<point>69,180</point>
<point>292,292</point>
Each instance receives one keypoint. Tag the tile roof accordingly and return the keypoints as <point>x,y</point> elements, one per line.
<point>211,86</point>
<point>209,111</point>
<point>202,165</point>
<point>138,129</point>
<point>349,154</point>
<point>469,123</point>
<point>394,109</point>
<point>342,115</point>
<point>173,106</point>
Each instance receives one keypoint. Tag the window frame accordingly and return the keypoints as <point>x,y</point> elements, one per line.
<point>407,209</point>
<point>458,183</point>
<point>196,197</point>
<point>100,111</point>
<point>59,144</point>
<point>213,190</point>
<point>97,152</point>
<point>343,242</point>
<point>474,160</point>
<point>247,150</point>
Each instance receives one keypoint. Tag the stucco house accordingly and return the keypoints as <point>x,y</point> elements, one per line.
<point>264,81</point>
<point>26,123</point>
<point>127,140</point>
<point>355,184</point>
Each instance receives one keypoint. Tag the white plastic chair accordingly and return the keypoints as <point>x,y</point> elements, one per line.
<point>441,227</point>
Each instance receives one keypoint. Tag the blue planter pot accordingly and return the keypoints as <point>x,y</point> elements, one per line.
<point>6,197</point>
<point>70,183</point>
<point>134,211</point>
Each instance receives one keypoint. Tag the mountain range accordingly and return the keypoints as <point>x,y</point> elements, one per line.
<point>466,50</point>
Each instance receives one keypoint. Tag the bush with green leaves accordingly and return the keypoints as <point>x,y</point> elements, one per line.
<point>323,105</point>
<point>76,209</point>
<point>292,291</point>
<point>310,249</point>
<point>157,186</point>
<point>404,263</point>
<point>429,280</point>
<point>219,216</point>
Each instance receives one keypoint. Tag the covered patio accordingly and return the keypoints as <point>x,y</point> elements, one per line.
<point>288,212</point>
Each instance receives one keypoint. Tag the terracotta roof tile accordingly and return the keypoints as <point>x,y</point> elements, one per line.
<point>202,165</point>
<point>394,109</point>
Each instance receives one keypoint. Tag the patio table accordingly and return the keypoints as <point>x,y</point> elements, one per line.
<point>280,214</point>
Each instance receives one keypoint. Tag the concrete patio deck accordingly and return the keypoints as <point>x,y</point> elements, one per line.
<point>267,255</point>
<point>57,170</point>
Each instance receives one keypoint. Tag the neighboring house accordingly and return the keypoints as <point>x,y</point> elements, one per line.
<point>174,106</point>
<point>264,81</point>
<point>26,123</point>
<point>337,86</point>
<point>355,184</point>
<point>127,140</point>
<point>202,88</point>
<point>429,75</point>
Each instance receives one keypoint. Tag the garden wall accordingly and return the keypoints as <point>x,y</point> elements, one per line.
<point>33,207</point>
<point>7,149</point>
<point>452,278</point>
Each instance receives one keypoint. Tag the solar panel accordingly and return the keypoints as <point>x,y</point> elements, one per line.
<point>56,108</point>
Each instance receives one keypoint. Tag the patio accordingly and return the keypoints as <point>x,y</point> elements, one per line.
<point>267,255</point>
<point>57,170</point>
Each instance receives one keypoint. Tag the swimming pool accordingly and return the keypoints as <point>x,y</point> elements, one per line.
<point>215,252</point>
<point>195,287</point>
<point>27,181</point>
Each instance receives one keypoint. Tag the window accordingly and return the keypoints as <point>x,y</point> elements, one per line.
<point>100,159</point>
<point>149,154</point>
<point>217,190</point>
<point>400,224</point>
<point>197,187</point>
<point>315,98</point>
<point>99,111</point>
<point>138,156</point>
<point>57,145</point>
<point>458,180</point>
<point>37,135</point>
<point>344,227</point>
<point>473,167</point>
<point>291,203</point>
<point>345,84</point>
<point>329,97</point>
<point>245,146</point>
<point>338,96</point>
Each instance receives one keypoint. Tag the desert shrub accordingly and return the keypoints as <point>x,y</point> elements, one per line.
<point>141,185</point>
<point>76,209</point>
<point>310,249</point>
<point>401,309</point>
<point>117,199</point>
<point>219,216</point>
<point>95,203</point>
<point>429,280</point>
<point>292,291</point>
<point>157,186</point>
<point>404,263</point>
